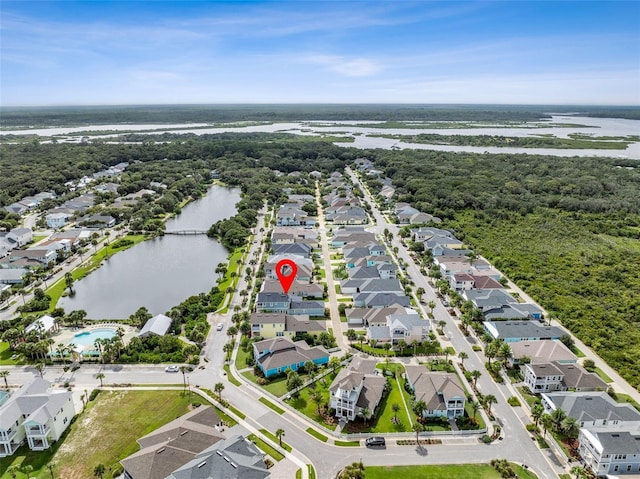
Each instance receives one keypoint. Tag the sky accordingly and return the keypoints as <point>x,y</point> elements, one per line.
<point>178,52</point>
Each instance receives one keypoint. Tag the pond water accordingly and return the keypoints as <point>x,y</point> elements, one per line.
<point>162,272</point>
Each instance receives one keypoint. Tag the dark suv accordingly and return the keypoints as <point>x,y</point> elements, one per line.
<point>375,442</point>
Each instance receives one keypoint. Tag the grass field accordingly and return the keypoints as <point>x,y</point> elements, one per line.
<point>604,376</point>
<point>5,357</point>
<point>104,433</point>
<point>270,405</point>
<point>306,406</point>
<point>241,358</point>
<point>459,471</point>
<point>317,435</point>
<point>273,437</point>
<point>266,448</point>
<point>277,387</point>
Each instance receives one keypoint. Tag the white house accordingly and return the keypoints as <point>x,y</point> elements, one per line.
<point>57,220</point>
<point>44,325</point>
<point>36,414</point>
<point>156,326</point>
<point>607,451</point>
<point>355,388</point>
<point>20,236</point>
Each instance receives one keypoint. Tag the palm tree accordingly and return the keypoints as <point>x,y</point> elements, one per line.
<point>570,427</point>
<point>3,374</point>
<point>546,422</point>
<point>415,343</point>
<point>557,416</point>
<point>536,412</point>
<point>474,406</point>
<point>316,397</point>
<point>419,407</point>
<point>402,344</point>
<point>395,407</point>
<point>100,376</point>
<point>228,349</point>
<point>432,305</point>
<point>353,471</point>
<point>184,370</point>
<point>462,355</point>
<point>489,399</point>
<point>578,471</point>
<point>99,470</point>
<point>475,374</point>
<point>40,369</point>
<point>490,351</point>
<point>386,347</point>
<point>279,434</point>
<point>68,281</point>
<point>505,351</point>
<point>417,428</point>
<point>366,414</point>
<point>219,387</point>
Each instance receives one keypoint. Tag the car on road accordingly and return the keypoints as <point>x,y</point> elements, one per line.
<point>172,369</point>
<point>219,327</point>
<point>375,441</point>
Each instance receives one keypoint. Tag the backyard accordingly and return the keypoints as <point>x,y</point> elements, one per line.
<point>104,433</point>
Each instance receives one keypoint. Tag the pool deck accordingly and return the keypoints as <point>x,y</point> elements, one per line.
<point>66,335</point>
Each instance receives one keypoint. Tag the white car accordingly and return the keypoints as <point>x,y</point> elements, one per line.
<point>172,369</point>
<point>219,327</point>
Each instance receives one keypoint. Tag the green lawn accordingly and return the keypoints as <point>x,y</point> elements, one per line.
<point>459,471</point>
<point>530,398</point>
<point>272,406</point>
<point>306,406</point>
<point>106,432</point>
<point>347,443</point>
<point>266,448</point>
<point>622,398</point>
<point>273,437</point>
<point>603,376</point>
<point>5,357</point>
<point>277,387</point>
<point>241,358</point>
<point>317,435</point>
<point>232,379</point>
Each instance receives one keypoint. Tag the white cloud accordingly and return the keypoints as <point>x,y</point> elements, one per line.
<point>351,67</point>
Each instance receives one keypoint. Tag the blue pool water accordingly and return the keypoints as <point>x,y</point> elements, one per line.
<point>87,338</point>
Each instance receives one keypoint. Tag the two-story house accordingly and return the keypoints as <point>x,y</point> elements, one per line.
<point>272,325</point>
<point>555,376</point>
<point>34,414</point>
<point>592,409</point>
<point>441,392</point>
<point>357,387</point>
<point>610,452</point>
<point>20,236</point>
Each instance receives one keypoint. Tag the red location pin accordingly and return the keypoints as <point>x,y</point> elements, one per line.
<point>286,280</point>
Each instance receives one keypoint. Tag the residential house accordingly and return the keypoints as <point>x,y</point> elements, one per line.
<point>97,221</point>
<point>231,458</point>
<point>423,234</point>
<point>296,249</point>
<point>348,215</point>
<point>371,285</point>
<point>157,326</point>
<point>297,290</point>
<point>173,445</point>
<point>441,392</point>
<point>380,300</point>
<point>610,452</point>
<point>536,352</point>
<point>20,236</point>
<point>553,376</point>
<point>277,355</point>
<point>305,267</point>
<point>43,256</point>
<point>357,387</point>
<point>12,275</point>
<point>592,409</point>
<point>35,414</point>
<point>271,325</point>
<point>57,220</point>
<point>514,331</point>
<point>272,303</point>
<point>499,304</point>
<point>17,208</point>
<point>349,235</point>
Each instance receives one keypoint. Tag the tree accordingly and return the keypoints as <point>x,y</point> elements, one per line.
<point>293,381</point>
<point>184,370</point>
<point>99,470</point>
<point>219,387</point>
<point>537,410</point>
<point>228,349</point>
<point>40,368</point>
<point>589,365</point>
<point>334,363</point>
<point>100,376</point>
<point>546,422</point>
<point>395,407</point>
<point>402,344</point>
<point>557,417</point>
<point>568,341</point>
<point>490,351</point>
<point>3,374</point>
<point>570,427</point>
<point>386,347</point>
<point>68,281</point>
<point>432,305</point>
<point>474,406</point>
<point>353,471</point>
<point>462,355</point>
<point>417,428</point>
<point>448,351</point>
<point>414,344</point>
<point>316,397</point>
<point>505,351</point>
<point>351,335</point>
<point>489,399</point>
<point>578,471</point>
<point>419,407</point>
<point>366,414</point>
<point>475,374</point>
<point>279,434</point>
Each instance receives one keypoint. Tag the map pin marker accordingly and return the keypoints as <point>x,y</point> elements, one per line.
<point>286,280</point>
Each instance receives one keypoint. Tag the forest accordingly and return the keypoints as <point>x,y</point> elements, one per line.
<point>566,230</point>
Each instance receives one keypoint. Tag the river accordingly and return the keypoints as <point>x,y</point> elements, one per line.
<point>162,272</point>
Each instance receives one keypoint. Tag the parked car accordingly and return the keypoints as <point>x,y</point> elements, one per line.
<point>172,369</point>
<point>375,441</point>
<point>219,327</point>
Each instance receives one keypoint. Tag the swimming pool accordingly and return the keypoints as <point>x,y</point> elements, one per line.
<point>87,338</point>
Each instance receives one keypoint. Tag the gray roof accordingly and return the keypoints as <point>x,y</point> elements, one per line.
<point>382,299</point>
<point>487,299</point>
<point>434,388</point>
<point>267,318</point>
<point>272,298</point>
<point>232,458</point>
<point>302,324</point>
<point>158,325</point>
<point>379,333</point>
<point>622,441</point>
<point>174,444</point>
<point>592,406</point>
<point>12,274</point>
<point>522,330</point>
<point>575,376</point>
<point>284,352</point>
<point>542,351</point>
<point>376,285</point>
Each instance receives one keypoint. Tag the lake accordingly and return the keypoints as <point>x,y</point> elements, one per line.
<point>162,272</point>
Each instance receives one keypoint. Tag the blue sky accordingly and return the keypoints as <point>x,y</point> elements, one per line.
<point>121,52</point>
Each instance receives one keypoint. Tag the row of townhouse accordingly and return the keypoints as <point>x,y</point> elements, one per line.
<point>343,208</point>
<point>34,414</point>
<point>609,437</point>
<point>29,203</point>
